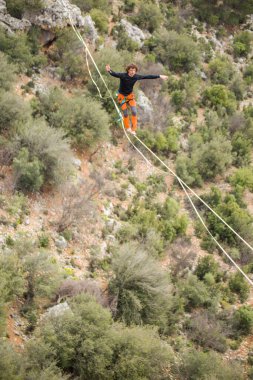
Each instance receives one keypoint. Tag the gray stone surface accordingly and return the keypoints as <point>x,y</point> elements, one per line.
<point>61,242</point>
<point>133,32</point>
<point>145,108</point>
<point>11,23</point>
<point>57,310</point>
<point>55,14</point>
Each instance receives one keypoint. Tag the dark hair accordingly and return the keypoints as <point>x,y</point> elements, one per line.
<point>131,66</point>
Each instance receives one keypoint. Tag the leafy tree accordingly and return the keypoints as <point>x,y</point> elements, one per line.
<point>28,173</point>
<point>17,47</point>
<point>148,16</point>
<point>207,331</point>
<point>248,74</point>
<point>208,157</point>
<point>241,148</point>
<point>161,142</point>
<point>243,177</point>
<point>68,54</point>
<point>83,119</point>
<point>12,283</point>
<point>101,19</point>
<point>86,344</point>
<point>219,96</point>
<point>10,362</point>
<point>239,285</point>
<point>242,43</point>
<point>85,122</point>
<point>140,287</point>
<point>243,320</point>
<point>194,293</point>
<point>206,264</point>
<point>42,276</point>
<point>14,111</point>
<point>236,216</point>
<point>140,354</point>
<point>7,74</point>
<point>215,12</point>
<point>221,70</point>
<point>198,365</point>
<point>49,159</point>
<point>178,51</point>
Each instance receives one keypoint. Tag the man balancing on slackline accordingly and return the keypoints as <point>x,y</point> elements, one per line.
<point>125,93</point>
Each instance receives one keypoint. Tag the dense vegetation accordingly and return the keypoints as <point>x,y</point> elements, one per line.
<point>150,303</point>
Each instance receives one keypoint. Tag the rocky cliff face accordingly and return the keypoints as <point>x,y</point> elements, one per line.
<point>55,14</point>
<point>10,23</point>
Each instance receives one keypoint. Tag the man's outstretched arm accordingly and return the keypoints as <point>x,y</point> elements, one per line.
<point>112,73</point>
<point>163,77</point>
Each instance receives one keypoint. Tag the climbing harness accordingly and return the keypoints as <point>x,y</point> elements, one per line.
<point>184,186</point>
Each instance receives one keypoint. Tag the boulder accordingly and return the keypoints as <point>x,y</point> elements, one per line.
<point>77,163</point>
<point>57,14</point>
<point>10,23</point>
<point>133,32</point>
<point>61,242</point>
<point>57,310</point>
<point>145,108</point>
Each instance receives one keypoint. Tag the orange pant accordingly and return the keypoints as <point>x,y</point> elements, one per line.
<point>129,99</point>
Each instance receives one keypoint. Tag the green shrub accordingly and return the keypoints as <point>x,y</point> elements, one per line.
<point>241,148</point>
<point>101,19</point>
<point>188,171</point>
<point>177,51</point>
<point>231,13</point>
<point>28,173</point>
<point>205,160</point>
<point>243,177</point>
<point>139,286</point>
<point>221,70</point>
<point>238,86</point>
<point>68,54</point>
<point>194,293</point>
<point>217,96</point>
<point>10,362</point>
<point>205,330</point>
<point>43,240</point>
<point>161,142</point>
<point>206,264</point>
<point>18,48</point>
<point>178,98</point>
<point>14,111</point>
<point>50,155</point>
<point>84,120</point>
<point>237,217</point>
<point>148,16</point>
<point>7,74</point>
<point>198,365</point>
<point>242,44</point>
<point>239,285</point>
<point>248,74</point>
<point>85,343</point>
<point>141,354</point>
<point>243,320</point>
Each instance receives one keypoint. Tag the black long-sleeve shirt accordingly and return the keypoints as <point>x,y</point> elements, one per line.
<point>127,83</point>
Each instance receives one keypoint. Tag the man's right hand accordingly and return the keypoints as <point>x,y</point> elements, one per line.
<point>108,68</point>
